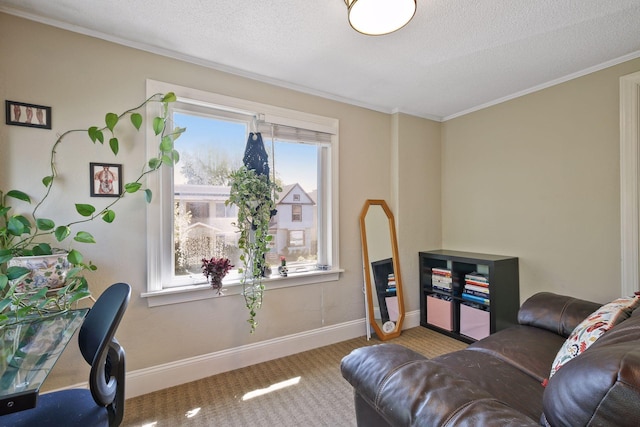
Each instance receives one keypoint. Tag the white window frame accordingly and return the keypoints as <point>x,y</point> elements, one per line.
<point>160,210</point>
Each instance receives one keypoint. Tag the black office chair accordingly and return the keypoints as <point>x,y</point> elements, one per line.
<point>103,403</point>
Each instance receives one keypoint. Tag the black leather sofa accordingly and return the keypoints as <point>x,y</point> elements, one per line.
<point>501,379</point>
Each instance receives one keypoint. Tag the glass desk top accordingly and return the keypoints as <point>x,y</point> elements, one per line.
<point>29,351</point>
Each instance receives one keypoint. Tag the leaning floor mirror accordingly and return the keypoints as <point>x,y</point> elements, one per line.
<point>384,303</point>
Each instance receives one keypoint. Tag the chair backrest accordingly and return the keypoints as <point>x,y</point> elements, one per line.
<point>100,348</point>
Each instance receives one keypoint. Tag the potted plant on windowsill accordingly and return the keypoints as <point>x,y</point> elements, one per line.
<point>29,234</point>
<point>214,270</point>
<point>252,194</point>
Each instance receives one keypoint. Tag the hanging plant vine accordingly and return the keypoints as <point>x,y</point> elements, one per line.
<point>251,193</point>
<point>29,234</point>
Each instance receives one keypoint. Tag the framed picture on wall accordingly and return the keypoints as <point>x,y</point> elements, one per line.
<point>31,115</point>
<point>106,179</point>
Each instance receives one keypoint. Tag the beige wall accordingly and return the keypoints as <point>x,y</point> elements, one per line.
<point>82,78</point>
<point>538,178</point>
<point>416,195</point>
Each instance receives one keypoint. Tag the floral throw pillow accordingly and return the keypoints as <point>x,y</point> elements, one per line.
<point>591,328</point>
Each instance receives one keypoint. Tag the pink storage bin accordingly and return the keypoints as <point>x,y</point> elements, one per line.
<point>474,323</point>
<point>439,313</point>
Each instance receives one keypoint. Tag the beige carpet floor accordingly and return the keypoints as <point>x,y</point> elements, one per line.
<point>313,391</point>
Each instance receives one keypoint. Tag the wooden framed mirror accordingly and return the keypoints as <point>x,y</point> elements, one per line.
<point>384,300</point>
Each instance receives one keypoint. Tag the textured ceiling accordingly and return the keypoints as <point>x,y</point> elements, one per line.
<point>454,57</point>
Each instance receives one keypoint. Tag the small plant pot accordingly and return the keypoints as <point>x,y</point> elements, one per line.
<point>47,271</point>
<point>283,270</point>
<point>216,284</point>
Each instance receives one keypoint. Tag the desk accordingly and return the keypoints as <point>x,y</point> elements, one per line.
<point>29,351</point>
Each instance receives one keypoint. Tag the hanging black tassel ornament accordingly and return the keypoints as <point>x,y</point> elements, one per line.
<point>255,156</point>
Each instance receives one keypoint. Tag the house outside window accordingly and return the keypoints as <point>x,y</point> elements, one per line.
<point>197,224</point>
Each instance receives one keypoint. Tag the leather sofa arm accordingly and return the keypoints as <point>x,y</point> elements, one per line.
<point>556,313</point>
<point>601,387</point>
<point>381,375</point>
<point>367,367</point>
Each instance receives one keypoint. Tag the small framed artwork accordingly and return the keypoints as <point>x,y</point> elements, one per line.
<point>106,179</point>
<point>31,115</point>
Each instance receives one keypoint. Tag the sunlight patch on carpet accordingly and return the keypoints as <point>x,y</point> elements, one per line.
<point>192,413</point>
<point>271,388</point>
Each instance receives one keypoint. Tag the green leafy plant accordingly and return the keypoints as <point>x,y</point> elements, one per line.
<point>252,194</point>
<point>30,234</point>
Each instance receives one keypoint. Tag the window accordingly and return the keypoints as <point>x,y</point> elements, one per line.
<point>296,213</point>
<point>189,220</point>
<point>198,210</point>
<point>296,238</point>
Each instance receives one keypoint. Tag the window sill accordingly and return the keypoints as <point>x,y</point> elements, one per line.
<point>181,294</point>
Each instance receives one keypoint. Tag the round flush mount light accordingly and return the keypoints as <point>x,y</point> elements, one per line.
<point>378,17</point>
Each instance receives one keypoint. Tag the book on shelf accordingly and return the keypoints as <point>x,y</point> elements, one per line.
<point>476,293</point>
<point>477,288</point>
<point>444,277</point>
<point>441,271</point>
<point>476,277</point>
<point>391,282</point>
<point>473,298</point>
<point>475,282</point>
<point>441,279</point>
<point>442,285</point>
<point>441,288</point>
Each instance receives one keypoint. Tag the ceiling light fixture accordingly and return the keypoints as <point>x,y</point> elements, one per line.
<point>378,17</point>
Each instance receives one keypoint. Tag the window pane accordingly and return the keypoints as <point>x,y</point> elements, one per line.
<point>296,213</point>
<point>296,167</point>
<point>203,225</point>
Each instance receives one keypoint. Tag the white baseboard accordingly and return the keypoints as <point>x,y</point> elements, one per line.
<point>411,319</point>
<point>148,380</point>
